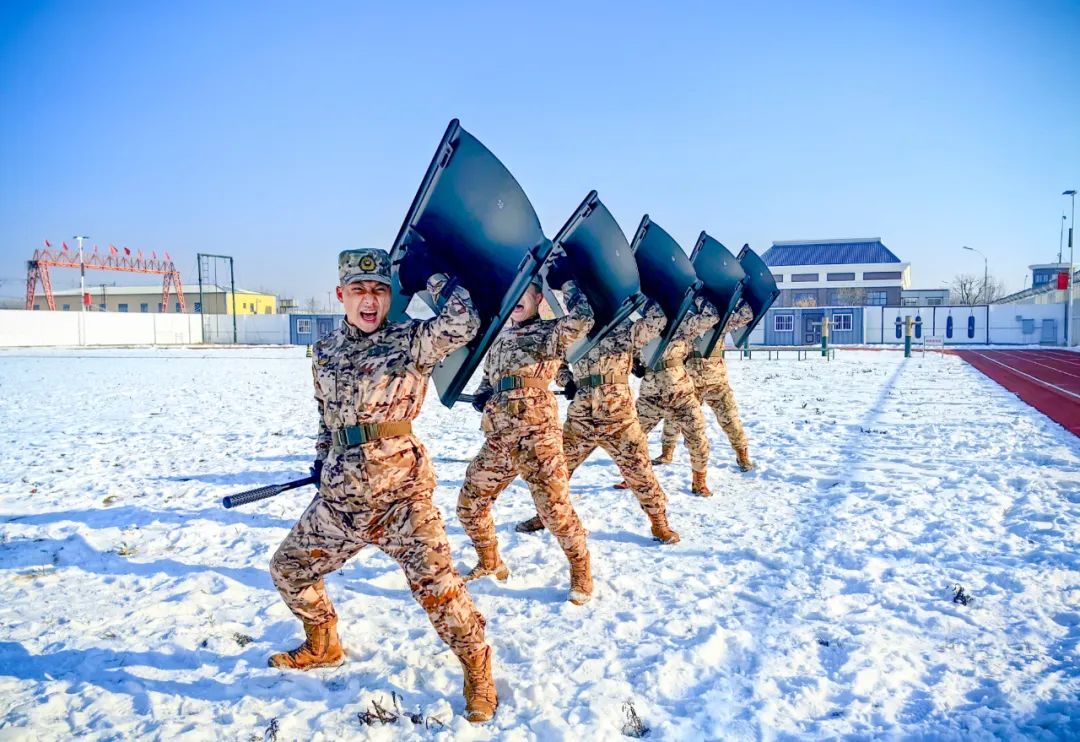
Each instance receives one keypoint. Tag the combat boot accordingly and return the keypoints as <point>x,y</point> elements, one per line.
<point>666,456</point>
<point>623,485</point>
<point>661,531</point>
<point>742,457</point>
<point>321,648</point>
<point>532,525</point>
<point>480,697</point>
<point>490,564</point>
<point>580,581</point>
<point>699,487</point>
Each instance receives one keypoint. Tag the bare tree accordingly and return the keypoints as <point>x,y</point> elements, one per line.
<point>969,289</point>
<point>805,301</point>
<point>854,297</point>
<point>311,305</point>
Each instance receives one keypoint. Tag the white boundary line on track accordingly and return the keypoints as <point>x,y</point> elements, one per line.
<point>1021,356</point>
<point>1036,379</point>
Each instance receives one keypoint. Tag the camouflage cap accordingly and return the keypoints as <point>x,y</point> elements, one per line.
<point>366,264</point>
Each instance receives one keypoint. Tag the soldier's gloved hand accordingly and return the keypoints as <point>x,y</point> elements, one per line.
<point>559,272</point>
<point>639,369</point>
<point>570,389</point>
<point>480,399</point>
<point>316,470</point>
<point>414,267</point>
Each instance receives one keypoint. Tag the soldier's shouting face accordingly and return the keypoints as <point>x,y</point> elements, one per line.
<point>366,304</point>
<point>528,305</point>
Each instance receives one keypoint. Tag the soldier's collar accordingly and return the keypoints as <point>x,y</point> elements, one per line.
<point>527,322</point>
<point>355,333</point>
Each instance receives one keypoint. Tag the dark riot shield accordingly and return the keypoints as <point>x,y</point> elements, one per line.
<point>604,269</point>
<point>722,280</point>
<point>475,217</point>
<point>667,277</point>
<point>759,291</point>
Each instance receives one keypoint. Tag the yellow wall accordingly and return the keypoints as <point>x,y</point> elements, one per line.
<point>250,303</point>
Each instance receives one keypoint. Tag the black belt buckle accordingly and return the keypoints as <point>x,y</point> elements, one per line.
<point>508,383</point>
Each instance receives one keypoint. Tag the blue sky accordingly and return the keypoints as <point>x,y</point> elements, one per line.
<point>281,134</point>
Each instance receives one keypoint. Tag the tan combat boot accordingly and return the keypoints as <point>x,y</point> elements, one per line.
<point>322,648</point>
<point>490,564</point>
<point>665,457</point>
<point>480,698</point>
<point>623,485</point>
<point>699,487</point>
<point>661,531</point>
<point>532,525</point>
<point>742,457</point>
<point>580,581</point>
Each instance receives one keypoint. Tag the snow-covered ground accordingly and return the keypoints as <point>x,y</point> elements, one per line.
<point>811,598</point>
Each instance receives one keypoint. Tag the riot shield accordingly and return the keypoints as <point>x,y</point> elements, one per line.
<point>759,291</point>
<point>472,213</point>
<point>722,277</point>
<point>667,277</point>
<point>604,270</point>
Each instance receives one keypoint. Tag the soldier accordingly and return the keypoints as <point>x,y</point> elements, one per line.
<point>376,477</point>
<point>710,378</point>
<point>602,414</point>
<point>668,393</point>
<point>522,432</point>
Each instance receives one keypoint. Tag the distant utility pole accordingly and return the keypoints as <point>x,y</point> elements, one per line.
<point>1069,283</point>
<point>82,271</point>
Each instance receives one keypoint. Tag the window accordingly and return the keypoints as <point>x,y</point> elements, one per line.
<point>303,327</point>
<point>933,301</point>
<point>244,305</point>
<point>784,323</point>
<point>198,306</point>
<point>877,298</point>
<point>177,306</point>
<point>266,310</point>
<point>144,307</point>
<point>909,301</point>
<point>797,277</point>
<point>841,322</point>
<point>840,276</point>
<point>101,307</point>
<point>804,298</point>
<point>779,277</point>
<point>881,275</point>
<point>67,307</point>
<point>121,307</point>
<point>160,307</point>
<point>37,306</point>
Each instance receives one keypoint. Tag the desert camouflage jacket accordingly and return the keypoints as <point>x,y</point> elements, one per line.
<point>533,349</point>
<point>382,377</point>
<point>666,382</point>
<point>706,372</point>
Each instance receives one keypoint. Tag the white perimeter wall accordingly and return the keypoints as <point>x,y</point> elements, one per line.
<point>251,329</point>
<point>1005,326</point>
<point>25,328</point>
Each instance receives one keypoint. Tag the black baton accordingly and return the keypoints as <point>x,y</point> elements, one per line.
<point>243,498</point>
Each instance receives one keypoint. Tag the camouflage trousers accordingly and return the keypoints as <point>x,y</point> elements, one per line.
<point>683,412</point>
<point>625,442</point>
<point>536,453</point>
<point>410,531</point>
<point>718,395</point>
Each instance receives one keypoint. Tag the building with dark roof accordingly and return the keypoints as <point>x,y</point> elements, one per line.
<point>830,273</point>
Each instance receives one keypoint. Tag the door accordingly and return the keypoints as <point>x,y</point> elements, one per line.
<point>325,326</point>
<point>812,329</point>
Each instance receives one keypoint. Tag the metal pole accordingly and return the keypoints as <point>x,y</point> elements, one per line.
<point>202,300</point>
<point>1069,282</point>
<point>1061,236</point>
<point>82,273</point>
<point>232,283</point>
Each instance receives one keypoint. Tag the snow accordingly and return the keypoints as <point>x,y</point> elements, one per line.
<point>810,598</point>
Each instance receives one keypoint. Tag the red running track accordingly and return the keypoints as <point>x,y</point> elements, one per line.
<point>1048,380</point>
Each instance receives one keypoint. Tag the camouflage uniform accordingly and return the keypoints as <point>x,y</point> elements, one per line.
<point>522,430</point>
<point>669,394</point>
<point>603,414</point>
<point>380,492</point>
<point>710,378</point>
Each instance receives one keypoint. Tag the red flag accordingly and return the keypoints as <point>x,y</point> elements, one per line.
<point>140,253</point>
<point>153,255</point>
<point>127,252</point>
<point>112,250</point>
<point>167,256</point>
<point>65,245</point>
<point>48,244</point>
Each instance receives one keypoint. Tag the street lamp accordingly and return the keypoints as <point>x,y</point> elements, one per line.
<point>82,271</point>
<point>986,272</point>
<point>1068,283</point>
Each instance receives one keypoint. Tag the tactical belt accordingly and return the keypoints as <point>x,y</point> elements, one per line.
<point>354,435</point>
<point>507,383</point>
<point>598,379</point>
<point>673,363</point>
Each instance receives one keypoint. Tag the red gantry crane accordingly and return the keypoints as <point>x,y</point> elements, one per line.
<point>118,259</point>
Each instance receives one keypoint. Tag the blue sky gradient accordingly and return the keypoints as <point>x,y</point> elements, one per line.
<point>281,135</point>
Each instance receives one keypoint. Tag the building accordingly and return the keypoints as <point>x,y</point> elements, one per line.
<point>135,299</point>
<point>821,273</point>
<point>1043,274</point>
<point>925,297</point>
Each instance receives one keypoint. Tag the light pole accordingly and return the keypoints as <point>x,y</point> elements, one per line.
<point>1069,282</point>
<point>1061,235</point>
<point>986,272</point>
<point>82,272</point>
